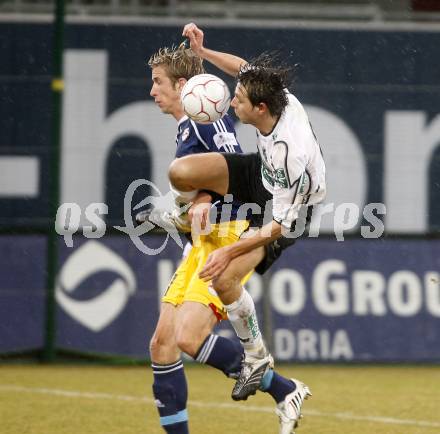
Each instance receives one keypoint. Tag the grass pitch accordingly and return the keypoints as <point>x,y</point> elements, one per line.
<point>117,400</point>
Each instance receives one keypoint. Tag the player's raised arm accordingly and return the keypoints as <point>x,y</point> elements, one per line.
<point>226,62</point>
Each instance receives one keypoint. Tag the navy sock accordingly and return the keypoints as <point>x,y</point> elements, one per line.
<point>221,353</point>
<point>276,385</point>
<point>171,393</point>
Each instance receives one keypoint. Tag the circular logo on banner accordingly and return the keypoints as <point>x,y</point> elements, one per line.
<point>98,312</point>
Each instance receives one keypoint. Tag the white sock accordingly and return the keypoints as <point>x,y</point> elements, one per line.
<point>243,318</point>
<point>183,196</point>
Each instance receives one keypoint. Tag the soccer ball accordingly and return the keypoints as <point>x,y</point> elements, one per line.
<point>205,98</point>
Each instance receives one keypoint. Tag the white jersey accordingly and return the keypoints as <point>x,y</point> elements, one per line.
<point>293,168</point>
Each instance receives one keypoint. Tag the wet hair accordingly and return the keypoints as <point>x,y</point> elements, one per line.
<point>180,62</point>
<point>265,82</point>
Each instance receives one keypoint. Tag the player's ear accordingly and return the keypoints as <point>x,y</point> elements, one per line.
<point>180,83</point>
<point>262,108</point>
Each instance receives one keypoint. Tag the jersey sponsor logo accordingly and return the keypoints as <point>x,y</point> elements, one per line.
<point>281,178</point>
<point>278,176</point>
<point>225,141</point>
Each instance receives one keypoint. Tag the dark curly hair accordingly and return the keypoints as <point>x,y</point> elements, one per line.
<point>265,82</point>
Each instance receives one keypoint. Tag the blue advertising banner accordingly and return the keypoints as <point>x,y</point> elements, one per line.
<point>362,300</point>
<point>22,294</point>
<point>108,294</point>
<point>357,300</point>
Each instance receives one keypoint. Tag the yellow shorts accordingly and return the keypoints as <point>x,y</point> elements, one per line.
<point>185,284</point>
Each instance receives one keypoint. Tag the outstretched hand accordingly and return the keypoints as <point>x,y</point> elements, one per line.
<point>216,263</point>
<point>195,36</point>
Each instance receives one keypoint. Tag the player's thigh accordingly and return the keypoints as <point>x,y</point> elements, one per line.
<point>163,344</point>
<point>207,171</point>
<point>195,321</point>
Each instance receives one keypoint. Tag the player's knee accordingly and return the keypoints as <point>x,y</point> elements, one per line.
<point>187,343</point>
<point>179,173</point>
<point>156,346</point>
<point>161,347</point>
<point>225,283</point>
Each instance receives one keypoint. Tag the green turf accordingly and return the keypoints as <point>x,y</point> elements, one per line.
<point>117,400</point>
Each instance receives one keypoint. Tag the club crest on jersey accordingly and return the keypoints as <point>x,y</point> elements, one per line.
<point>185,134</point>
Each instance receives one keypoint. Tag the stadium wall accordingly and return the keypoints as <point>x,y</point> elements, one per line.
<point>372,96</point>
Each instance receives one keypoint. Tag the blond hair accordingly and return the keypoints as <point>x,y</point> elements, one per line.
<point>180,62</point>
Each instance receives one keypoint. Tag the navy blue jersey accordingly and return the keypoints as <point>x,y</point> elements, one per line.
<point>194,138</point>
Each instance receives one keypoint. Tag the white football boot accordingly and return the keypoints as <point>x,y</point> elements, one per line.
<point>169,221</point>
<point>289,410</point>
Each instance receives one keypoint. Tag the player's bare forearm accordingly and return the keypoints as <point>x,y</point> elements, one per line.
<point>263,236</point>
<point>228,63</point>
<point>219,259</point>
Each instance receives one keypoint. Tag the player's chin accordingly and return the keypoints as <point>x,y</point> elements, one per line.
<point>162,108</point>
<point>165,110</point>
<point>239,116</point>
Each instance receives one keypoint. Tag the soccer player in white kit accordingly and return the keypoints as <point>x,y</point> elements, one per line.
<point>288,169</point>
